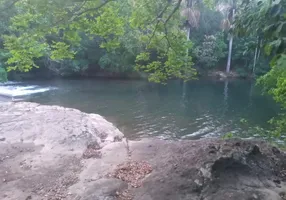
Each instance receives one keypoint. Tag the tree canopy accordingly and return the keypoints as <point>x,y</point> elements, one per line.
<point>55,29</point>
<point>266,20</point>
<point>165,38</point>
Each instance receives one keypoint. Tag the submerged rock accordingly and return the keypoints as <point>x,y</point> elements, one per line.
<point>50,152</point>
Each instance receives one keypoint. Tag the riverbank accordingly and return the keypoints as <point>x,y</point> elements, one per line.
<point>45,74</point>
<point>178,110</point>
<point>51,152</point>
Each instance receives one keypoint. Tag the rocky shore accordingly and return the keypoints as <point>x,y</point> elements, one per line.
<point>53,153</point>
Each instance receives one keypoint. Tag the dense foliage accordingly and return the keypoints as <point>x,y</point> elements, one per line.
<point>266,20</point>
<point>163,39</point>
<point>210,51</point>
<point>146,34</point>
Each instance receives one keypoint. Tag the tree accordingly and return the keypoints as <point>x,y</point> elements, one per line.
<point>53,29</point>
<point>210,51</point>
<point>229,10</point>
<point>192,14</point>
<point>269,20</point>
<point>230,47</point>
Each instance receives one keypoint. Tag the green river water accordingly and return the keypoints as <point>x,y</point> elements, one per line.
<point>178,110</point>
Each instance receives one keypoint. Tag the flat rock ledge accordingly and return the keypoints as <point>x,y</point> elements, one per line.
<point>54,153</point>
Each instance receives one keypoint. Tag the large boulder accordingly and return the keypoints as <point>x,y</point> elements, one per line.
<point>211,169</point>
<point>55,127</point>
<point>55,153</point>
<point>45,149</point>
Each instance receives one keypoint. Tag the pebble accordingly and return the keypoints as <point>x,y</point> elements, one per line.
<point>29,197</point>
<point>198,182</point>
<point>255,196</point>
<point>2,139</point>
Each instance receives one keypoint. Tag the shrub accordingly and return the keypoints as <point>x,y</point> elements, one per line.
<point>210,51</point>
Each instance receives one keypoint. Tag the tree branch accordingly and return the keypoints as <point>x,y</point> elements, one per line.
<point>76,9</point>
<point>9,6</point>
<point>75,15</point>
<point>168,41</point>
<point>161,13</point>
<point>93,9</point>
<point>174,11</point>
<point>154,32</point>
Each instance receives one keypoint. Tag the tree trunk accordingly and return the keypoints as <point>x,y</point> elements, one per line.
<point>229,54</point>
<point>259,48</point>
<point>188,33</point>
<point>188,38</point>
<point>255,56</point>
<point>230,49</point>
<point>255,59</point>
<point>258,54</point>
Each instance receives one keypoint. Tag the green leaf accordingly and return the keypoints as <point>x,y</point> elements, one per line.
<point>279,28</point>
<point>61,51</point>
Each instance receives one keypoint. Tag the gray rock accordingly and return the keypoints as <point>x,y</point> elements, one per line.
<point>37,158</point>
<point>54,126</point>
<point>238,170</point>
<point>48,162</point>
<point>104,189</point>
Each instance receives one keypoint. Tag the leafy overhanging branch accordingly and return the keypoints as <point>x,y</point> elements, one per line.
<point>56,30</point>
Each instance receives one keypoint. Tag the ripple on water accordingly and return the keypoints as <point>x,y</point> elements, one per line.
<point>140,109</point>
<point>15,89</point>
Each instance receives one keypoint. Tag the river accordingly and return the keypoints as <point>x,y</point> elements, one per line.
<point>178,110</point>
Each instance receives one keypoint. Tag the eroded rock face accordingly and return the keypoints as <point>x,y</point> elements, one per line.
<point>42,149</point>
<point>211,170</point>
<point>52,153</point>
<point>54,127</point>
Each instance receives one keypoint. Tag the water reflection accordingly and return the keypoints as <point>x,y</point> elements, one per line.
<point>178,110</point>
<point>225,96</point>
<point>184,101</point>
